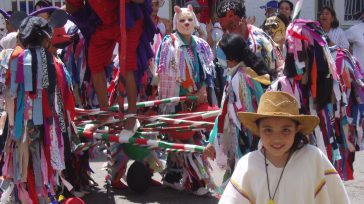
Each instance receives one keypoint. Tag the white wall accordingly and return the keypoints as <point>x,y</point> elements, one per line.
<point>5,5</point>
<point>252,9</point>
<point>164,12</point>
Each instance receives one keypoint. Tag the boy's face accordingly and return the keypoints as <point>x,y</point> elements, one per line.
<point>277,136</point>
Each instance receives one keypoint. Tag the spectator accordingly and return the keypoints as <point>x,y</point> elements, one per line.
<point>330,25</point>
<point>156,4</point>
<point>271,8</point>
<point>355,36</point>
<point>42,4</point>
<point>285,8</point>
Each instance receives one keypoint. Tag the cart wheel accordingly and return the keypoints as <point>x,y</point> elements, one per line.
<point>138,177</point>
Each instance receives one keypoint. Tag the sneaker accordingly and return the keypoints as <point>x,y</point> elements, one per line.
<point>125,134</point>
<point>201,191</point>
<point>175,186</point>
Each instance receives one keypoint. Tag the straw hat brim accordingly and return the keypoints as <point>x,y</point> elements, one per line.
<point>308,122</point>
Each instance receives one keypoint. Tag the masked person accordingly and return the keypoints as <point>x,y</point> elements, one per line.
<point>185,67</point>
<point>275,27</point>
<point>232,17</point>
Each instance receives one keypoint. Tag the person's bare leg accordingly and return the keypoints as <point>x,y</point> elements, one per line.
<point>100,85</point>
<point>132,94</point>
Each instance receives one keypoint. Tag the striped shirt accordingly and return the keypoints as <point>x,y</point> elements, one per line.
<point>337,36</point>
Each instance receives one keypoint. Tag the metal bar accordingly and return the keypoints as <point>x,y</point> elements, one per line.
<point>27,6</point>
<point>18,5</point>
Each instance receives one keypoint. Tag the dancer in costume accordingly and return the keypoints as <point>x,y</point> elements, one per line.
<point>185,66</point>
<point>275,27</point>
<point>326,86</point>
<point>102,34</point>
<point>286,169</point>
<point>247,77</point>
<point>40,106</point>
<point>232,17</point>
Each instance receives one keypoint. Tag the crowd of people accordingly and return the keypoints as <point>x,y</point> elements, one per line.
<point>288,95</point>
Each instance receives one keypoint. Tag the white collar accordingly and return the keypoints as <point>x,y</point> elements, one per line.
<point>231,71</point>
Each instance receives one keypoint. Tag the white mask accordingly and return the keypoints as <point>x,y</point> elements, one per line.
<point>185,20</point>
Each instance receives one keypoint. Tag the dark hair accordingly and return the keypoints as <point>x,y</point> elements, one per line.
<point>235,48</point>
<point>300,140</point>
<point>42,4</point>
<point>286,1</point>
<point>334,23</point>
<point>236,6</point>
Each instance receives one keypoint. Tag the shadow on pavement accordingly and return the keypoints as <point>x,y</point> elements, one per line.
<point>152,195</point>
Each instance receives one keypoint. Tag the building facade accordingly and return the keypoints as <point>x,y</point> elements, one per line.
<point>348,11</point>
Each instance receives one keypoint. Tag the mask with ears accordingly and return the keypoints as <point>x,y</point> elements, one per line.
<point>184,20</point>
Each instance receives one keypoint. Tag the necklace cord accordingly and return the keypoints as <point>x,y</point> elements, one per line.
<point>280,177</point>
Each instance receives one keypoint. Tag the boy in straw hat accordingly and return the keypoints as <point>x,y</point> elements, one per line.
<point>277,172</point>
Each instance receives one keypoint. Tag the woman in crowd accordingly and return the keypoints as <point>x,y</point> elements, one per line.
<point>285,8</point>
<point>330,25</point>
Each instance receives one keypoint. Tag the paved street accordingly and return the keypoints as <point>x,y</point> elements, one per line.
<point>165,196</point>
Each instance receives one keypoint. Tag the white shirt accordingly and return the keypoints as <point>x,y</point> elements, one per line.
<point>308,178</point>
<point>355,35</point>
<point>337,36</point>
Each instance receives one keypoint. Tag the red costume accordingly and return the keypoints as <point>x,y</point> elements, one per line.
<point>103,41</point>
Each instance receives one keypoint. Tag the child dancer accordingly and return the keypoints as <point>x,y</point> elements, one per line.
<point>247,75</point>
<point>286,169</point>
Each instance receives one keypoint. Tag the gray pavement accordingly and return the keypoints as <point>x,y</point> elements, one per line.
<point>162,195</point>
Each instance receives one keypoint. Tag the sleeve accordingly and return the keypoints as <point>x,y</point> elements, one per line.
<point>343,41</point>
<point>335,187</point>
<point>349,33</point>
<point>162,28</point>
<point>204,30</point>
<point>213,132</point>
<point>234,192</point>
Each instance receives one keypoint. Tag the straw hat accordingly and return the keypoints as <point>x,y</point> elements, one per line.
<point>278,104</point>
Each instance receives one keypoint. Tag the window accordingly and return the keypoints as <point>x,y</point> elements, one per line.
<point>353,9</point>
<point>323,3</point>
<point>23,4</point>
